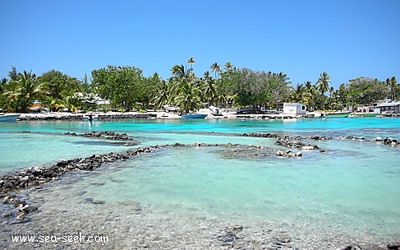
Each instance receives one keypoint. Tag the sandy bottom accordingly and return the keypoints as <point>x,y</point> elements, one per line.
<point>128,225</point>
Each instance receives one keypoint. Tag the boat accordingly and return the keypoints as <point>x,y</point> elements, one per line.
<point>215,111</point>
<point>35,107</point>
<point>336,114</point>
<point>362,114</point>
<point>194,116</point>
<point>8,117</point>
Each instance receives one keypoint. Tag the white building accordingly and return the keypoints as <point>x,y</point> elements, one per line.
<point>294,108</point>
<point>389,106</point>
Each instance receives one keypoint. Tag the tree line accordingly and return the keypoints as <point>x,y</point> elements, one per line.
<point>223,86</point>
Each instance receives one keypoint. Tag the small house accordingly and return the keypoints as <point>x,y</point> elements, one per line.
<point>294,108</point>
<point>389,106</point>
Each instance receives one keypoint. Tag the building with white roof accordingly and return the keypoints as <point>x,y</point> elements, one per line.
<point>389,106</point>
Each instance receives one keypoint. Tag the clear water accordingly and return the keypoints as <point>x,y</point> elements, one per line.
<point>354,186</point>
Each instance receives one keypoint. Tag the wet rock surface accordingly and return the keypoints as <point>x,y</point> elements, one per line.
<point>107,135</point>
<point>386,141</point>
<point>50,117</point>
<point>38,175</point>
<point>291,142</point>
<point>295,143</point>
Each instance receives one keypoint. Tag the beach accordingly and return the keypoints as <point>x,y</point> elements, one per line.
<point>224,114</point>
<point>214,183</point>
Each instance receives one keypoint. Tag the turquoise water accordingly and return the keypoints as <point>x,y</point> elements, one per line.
<point>346,188</point>
<point>45,143</point>
<point>353,187</point>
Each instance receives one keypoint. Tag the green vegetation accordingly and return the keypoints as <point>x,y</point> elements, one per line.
<point>127,89</point>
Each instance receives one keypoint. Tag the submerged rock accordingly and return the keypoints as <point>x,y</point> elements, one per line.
<point>351,247</point>
<point>395,246</point>
<point>230,234</point>
<point>108,135</point>
<point>293,143</point>
<point>93,201</point>
<point>288,154</point>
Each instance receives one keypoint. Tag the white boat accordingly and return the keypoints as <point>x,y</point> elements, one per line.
<point>336,114</point>
<point>215,111</point>
<point>362,114</point>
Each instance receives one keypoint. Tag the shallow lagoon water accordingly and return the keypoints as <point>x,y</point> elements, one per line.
<point>343,189</point>
<point>352,188</point>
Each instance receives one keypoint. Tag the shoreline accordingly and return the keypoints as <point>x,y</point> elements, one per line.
<point>101,116</point>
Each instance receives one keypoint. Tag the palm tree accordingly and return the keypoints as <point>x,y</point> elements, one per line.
<point>216,69</point>
<point>283,77</point>
<point>228,66</point>
<point>178,71</point>
<point>179,75</point>
<point>309,95</point>
<point>188,97</point>
<point>161,96</point>
<point>210,91</point>
<point>191,61</point>
<point>308,85</point>
<point>13,74</point>
<point>69,99</point>
<point>392,84</point>
<point>323,83</point>
<point>53,103</point>
<point>298,91</point>
<point>3,82</point>
<point>323,87</point>
<point>24,89</point>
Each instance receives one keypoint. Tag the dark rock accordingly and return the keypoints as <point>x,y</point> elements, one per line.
<point>27,208</point>
<point>352,247</point>
<point>108,135</point>
<point>96,202</point>
<point>288,154</point>
<point>7,215</point>
<point>230,235</point>
<point>235,228</point>
<point>227,238</point>
<point>264,135</point>
<point>395,246</point>
<point>295,143</point>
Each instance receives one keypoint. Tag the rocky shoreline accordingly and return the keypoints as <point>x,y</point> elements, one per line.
<point>77,117</point>
<point>64,116</point>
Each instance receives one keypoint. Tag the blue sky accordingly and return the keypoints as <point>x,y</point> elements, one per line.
<point>301,38</point>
